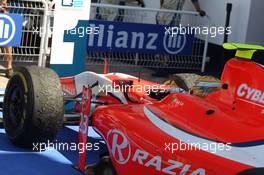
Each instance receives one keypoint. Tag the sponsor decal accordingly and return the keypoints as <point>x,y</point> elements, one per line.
<point>138,38</point>
<point>10,29</point>
<point>175,102</point>
<point>84,124</point>
<point>120,147</point>
<point>110,36</point>
<point>122,153</point>
<point>250,95</point>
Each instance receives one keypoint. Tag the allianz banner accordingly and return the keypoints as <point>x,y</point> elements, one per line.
<point>104,36</point>
<point>10,29</point>
<point>138,38</point>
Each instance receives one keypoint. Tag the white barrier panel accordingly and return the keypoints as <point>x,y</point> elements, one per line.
<point>114,20</point>
<point>67,15</point>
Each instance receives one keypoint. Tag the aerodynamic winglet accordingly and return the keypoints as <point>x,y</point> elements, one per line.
<point>245,51</point>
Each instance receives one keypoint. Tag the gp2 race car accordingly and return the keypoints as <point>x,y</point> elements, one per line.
<point>149,128</point>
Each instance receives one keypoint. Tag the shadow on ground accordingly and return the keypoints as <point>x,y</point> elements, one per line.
<point>21,161</point>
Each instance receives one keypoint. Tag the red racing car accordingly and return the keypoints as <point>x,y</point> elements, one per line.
<point>149,128</point>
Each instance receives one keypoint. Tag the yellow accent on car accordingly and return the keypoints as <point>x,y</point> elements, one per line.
<point>245,51</point>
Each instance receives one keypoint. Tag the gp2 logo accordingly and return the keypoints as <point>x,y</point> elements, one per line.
<point>72,3</point>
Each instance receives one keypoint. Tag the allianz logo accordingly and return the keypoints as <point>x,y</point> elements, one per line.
<point>111,37</point>
<point>4,29</point>
<point>7,29</point>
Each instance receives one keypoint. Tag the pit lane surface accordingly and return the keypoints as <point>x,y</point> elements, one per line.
<point>14,160</point>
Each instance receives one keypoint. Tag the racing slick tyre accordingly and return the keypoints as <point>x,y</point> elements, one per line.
<point>33,106</point>
<point>189,82</point>
<point>255,171</point>
<point>1,123</point>
<point>103,167</point>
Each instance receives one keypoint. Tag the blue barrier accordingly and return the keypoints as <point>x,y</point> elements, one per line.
<point>120,37</point>
<point>10,29</point>
<point>50,162</point>
<point>110,36</point>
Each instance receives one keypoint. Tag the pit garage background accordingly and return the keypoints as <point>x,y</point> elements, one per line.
<point>38,16</point>
<point>245,29</point>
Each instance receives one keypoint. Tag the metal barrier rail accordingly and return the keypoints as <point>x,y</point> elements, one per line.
<point>37,27</point>
<point>34,28</point>
<point>196,61</point>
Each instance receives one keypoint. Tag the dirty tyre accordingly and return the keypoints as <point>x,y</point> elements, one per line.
<point>33,106</point>
<point>1,123</point>
<point>255,171</point>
